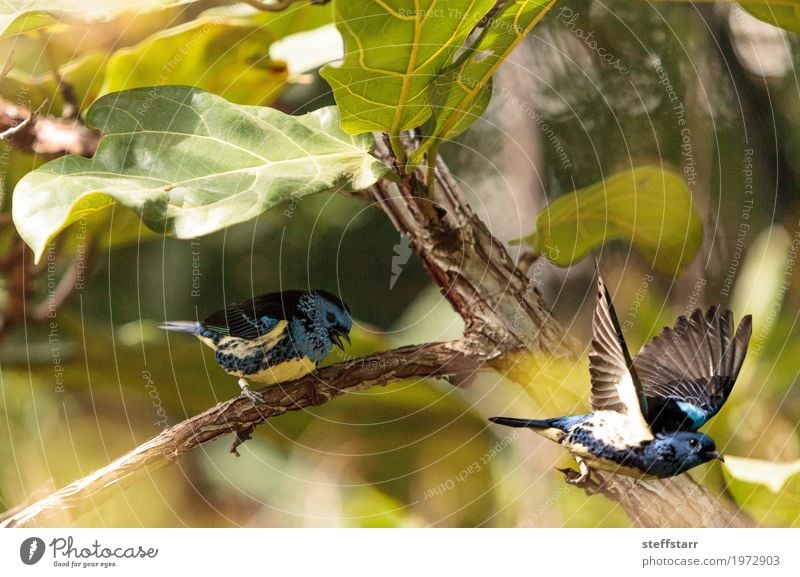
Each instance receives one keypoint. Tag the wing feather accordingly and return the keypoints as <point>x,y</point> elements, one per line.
<point>697,361</point>
<point>615,386</point>
<point>256,317</point>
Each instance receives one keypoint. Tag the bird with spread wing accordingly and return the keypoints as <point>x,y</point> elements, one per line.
<point>647,410</point>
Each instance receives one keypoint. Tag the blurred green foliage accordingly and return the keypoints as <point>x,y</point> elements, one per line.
<point>98,378</point>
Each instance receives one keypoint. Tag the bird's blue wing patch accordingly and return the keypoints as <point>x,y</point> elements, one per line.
<point>238,323</point>
<point>697,415</point>
<point>256,317</point>
<point>696,363</point>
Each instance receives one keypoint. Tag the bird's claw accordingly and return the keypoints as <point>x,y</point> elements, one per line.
<point>581,480</point>
<point>254,396</point>
<point>574,478</point>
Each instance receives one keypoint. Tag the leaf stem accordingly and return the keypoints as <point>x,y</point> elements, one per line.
<point>416,155</point>
<point>430,167</point>
<point>399,152</point>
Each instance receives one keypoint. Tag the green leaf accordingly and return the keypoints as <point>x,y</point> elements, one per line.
<point>767,490</point>
<point>785,14</point>
<point>191,163</point>
<point>17,16</point>
<point>393,51</point>
<point>768,473</point>
<point>649,207</point>
<point>462,93</point>
<point>226,56</point>
<point>81,73</point>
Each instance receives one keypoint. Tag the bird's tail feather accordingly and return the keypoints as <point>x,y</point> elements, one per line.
<point>528,423</point>
<point>180,326</point>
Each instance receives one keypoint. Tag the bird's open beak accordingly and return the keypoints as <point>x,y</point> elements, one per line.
<point>715,455</point>
<point>337,337</point>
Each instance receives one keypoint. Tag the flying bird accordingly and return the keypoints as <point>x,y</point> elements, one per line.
<point>647,410</point>
<point>274,337</point>
<point>687,372</point>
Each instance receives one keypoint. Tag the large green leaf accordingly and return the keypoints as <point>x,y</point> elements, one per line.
<point>461,94</point>
<point>191,163</point>
<point>224,52</point>
<point>226,56</point>
<point>767,490</point>
<point>18,16</point>
<point>649,207</point>
<point>785,14</point>
<point>393,51</point>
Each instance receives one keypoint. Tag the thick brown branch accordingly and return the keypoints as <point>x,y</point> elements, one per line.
<point>240,415</point>
<point>671,502</point>
<point>499,303</point>
<point>46,135</point>
<point>675,502</point>
<point>503,313</point>
<point>472,268</point>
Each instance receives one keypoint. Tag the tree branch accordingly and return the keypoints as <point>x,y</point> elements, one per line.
<point>504,316</point>
<point>501,305</point>
<point>240,415</point>
<point>44,134</point>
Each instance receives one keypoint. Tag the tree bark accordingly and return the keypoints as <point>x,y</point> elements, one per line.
<point>505,316</point>
<point>240,415</point>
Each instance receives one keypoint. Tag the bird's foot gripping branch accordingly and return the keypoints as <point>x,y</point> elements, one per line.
<point>189,163</point>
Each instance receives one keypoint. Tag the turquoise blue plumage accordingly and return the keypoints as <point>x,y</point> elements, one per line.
<point>274,337</point>
<point>647,410</point>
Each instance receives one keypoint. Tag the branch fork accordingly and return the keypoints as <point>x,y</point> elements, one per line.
<point>504,315</point>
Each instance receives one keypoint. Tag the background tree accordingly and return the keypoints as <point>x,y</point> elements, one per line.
<point>228,167</point>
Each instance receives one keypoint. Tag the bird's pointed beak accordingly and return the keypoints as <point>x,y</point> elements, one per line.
<point>338,336</point>
<point>715,455</point>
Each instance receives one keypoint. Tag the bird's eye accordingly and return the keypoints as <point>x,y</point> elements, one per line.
<point>692,442</point>
<point>331,318</point>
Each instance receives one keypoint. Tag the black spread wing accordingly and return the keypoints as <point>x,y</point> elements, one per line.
<point>615,386</point>
<point>695,364</point>
<point>255,317</point>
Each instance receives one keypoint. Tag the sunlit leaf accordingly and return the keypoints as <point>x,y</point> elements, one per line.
<point>767,490</point>
<point>191,163</point>
<point>768,473</point>
<point>649,207</point>
<point>226,56</point>
<point>462,92</point>
<point>379,88</point>
<point>306,51</point>
<point>18,16</point>
<point>760,280</point>
<point>782,14</point>
<point>40,89</point>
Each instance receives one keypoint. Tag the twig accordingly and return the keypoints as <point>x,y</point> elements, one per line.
<point>66,286</point>
<point>8,133</point>
<point>433,360</point>
<point>46,135</point>
<point>504,316</point>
